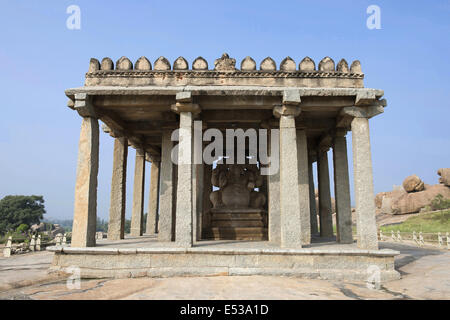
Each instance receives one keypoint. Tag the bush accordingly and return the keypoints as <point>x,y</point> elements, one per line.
<point>440,203</point>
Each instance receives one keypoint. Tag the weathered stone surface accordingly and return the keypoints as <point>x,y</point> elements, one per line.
<point>342,191</point>
<point>342,66</point>
<point>325,212</point>
<point>162,64</point>
<point>363,184</point>
<point>124,64</point>
<point>274,223</point>
<point>184,214</point>
<point>289,195</point>
<point>116,222</point>
<point>107,64</point>
<point>94,65</point>
<point>200,64</point>
<point>268,64</point>
<point>143,64</point>
<point>303,187</point>
<point>307,65</point>
<point>225,63</point>
<point>248,64</point>
<point>85,205</point>
<point>444,174</point>
<point>355,67</point>
<point>312,202</point>
<point>180,64</point>
<point>412,202</point>
<point>326,64</point>
<point>152,215</point>
<point>413,183</point>
<point>288,64</point>
<point>327,264</point>
<point>166,189</point>
<point>137,212</point>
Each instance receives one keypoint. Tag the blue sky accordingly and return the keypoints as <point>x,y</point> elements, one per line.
<point>39,58</point>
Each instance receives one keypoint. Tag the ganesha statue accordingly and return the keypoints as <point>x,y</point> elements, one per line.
<point>237,183</point>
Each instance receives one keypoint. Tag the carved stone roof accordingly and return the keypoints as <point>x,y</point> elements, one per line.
<point>225,73</point>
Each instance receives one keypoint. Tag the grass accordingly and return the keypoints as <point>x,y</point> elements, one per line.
<point>432,222</point>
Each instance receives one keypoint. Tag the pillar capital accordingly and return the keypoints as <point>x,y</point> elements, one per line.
<point>290,104</point>
<point>152,158</point>
<point>286,110</point>
<point>186,107</point>
<point>113,133</point>
<point>83,105</point>
<point>347,114</point>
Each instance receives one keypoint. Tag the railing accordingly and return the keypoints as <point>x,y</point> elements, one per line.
<point>419,238</point>
<point>33,243</point>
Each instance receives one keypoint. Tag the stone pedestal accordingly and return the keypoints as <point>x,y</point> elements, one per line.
<point>152,216</point>
<point>137,214</point>
<point>166,189</point>
<point>342,190</point>
<point>85,205</point>
<point>325,210</point>
<point>363,182</point>
<point>116,224</point>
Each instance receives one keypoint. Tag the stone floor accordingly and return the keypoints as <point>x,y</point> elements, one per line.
<point>147,241</point>
<point>425,275</point>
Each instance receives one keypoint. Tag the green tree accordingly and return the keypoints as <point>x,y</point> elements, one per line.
<point>17,210</point>
<point>22,228</point>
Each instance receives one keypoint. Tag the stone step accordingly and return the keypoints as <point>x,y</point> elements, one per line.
<point>237,216</point>
<point>237,223</point>
<point>236,233</point>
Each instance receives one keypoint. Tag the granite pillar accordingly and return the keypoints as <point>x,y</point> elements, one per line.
<point>116,224</point>
<point>137,212</point>
<point>363,184</point>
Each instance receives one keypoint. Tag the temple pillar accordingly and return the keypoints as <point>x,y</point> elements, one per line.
<point>303,187</point>
<point>197,203</point>
<point>116,224</point>
<point>166,189</point>
<point>273,204</point>
<point>206,206</point>
<point>290,219</point>
<point>137,212</point>
<point>184,202</point>
<point>325,210</point>
<point>312,199</point>
<point>342,189</point>
<point>152,215</point>
<point>85,206</point>
<point>363,184</point>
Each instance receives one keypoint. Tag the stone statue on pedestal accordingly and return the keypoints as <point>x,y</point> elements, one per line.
<point>237,183</point>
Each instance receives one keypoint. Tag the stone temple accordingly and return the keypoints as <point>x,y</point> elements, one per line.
<point>225,218</point>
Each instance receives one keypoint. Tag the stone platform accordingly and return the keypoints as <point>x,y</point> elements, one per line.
<point>145,257</point>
